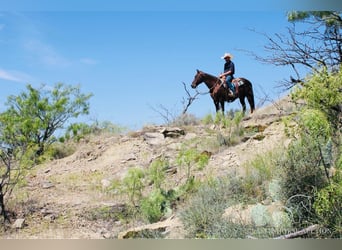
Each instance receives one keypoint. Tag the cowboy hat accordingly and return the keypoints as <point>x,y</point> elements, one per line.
<point>227,55</point>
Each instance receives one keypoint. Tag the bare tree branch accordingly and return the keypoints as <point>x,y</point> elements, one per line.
<point>318,43</point>
<point>189,99</point>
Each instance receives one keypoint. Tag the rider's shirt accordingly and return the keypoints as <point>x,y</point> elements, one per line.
<point>229,66</point>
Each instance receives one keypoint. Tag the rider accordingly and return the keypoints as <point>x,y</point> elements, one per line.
<point>228,74</point>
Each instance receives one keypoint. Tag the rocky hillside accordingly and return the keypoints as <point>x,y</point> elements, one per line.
<point>73,197</point>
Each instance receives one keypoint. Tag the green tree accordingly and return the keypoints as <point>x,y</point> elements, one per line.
<point>27,128</point>
<point>33,116</point>
<point>312,166</point>
<point>13,166</point>
<point>329,18</point>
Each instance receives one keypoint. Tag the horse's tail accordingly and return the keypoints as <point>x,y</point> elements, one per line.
<point>250,94</point>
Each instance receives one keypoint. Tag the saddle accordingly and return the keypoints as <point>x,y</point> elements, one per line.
<point>237,83</point>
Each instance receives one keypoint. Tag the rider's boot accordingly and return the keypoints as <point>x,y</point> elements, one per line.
<point>230,93</point>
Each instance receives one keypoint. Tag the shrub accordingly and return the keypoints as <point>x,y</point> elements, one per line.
<point>260,216</point>
<point>315,123</point>
<point>133,184</point>
<point>328,207</point>
<point>302,176</point>
<point>203,216</point>
<point>190,158</point>
<point>259,174</point>
<point>185,120</point>
<point>156,172</point>
<point>153,206</point>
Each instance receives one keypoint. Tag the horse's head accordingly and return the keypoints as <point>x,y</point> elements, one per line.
<point>197,79</point>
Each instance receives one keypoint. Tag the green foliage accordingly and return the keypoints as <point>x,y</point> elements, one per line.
<point>259,173</point>
<point>133,184</point>
<point>322,92</point>
<point>14,166</point>
<point>315,123</point>
<point>260,216</point>
<point>33,116</point>
<point>328,207</point>
<point>156,172</point>
<point>190,158</point>
<point>311,193</point>
<point>157,202</point>
<point>78,131</point>
<point>329,18</point>
<point>208,119</point>
<point>153,206</point>
<point>302,177</point>
<point>231,130</point>
<point>205,209</point>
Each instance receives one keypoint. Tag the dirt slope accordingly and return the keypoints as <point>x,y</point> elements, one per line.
<point>61,196</point>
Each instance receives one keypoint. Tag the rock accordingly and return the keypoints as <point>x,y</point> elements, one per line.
<point>47,184</point>
<point>172,132</point>
<point>171,170</point>
<point>159,227</point>
<point>105,183</point>
<point>154,138</point>
<point>18,224</point>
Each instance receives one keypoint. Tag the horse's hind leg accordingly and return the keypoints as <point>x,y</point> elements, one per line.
<point>250,99</point>
<point>242,101</point>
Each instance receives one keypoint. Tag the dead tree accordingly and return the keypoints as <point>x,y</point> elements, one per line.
<point>307,47</point>
<point>168,116</point>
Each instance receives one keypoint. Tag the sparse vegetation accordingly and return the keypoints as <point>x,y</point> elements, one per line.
<point>144,180</point>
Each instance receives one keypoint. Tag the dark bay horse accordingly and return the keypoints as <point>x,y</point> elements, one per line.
<point>220,95</point>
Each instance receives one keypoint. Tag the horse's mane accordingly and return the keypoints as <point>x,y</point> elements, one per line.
<point>209,75</point>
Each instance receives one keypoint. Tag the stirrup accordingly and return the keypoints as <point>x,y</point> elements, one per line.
<point>231,93</point>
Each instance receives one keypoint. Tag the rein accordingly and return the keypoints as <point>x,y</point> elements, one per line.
<point>218,81</point>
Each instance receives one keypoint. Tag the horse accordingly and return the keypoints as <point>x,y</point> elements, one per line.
<point>219,94</point>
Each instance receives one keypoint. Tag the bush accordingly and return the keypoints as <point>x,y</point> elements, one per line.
<point>259,174</point>
<point>185,120</point>
<point>153,206</point>
<point>190,158</point>
<point>203,216</point>
<point>133,184</point>
<point>156,172</point>
<point>302,176</point>
<point>328,207</point>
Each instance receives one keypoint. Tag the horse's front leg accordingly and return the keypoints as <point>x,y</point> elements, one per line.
<point>222,106</point>
<point>217,106</point>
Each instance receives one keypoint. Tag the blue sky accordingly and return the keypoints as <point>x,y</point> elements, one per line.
<point>133,61</point>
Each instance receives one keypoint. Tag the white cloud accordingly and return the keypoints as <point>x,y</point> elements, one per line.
<point>46,54</point>
<point>14,76</point>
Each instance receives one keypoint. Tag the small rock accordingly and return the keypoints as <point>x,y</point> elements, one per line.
<point>105,183</point>
<point>19,223</point>
<point>47,184</point>
<point>106,235</point>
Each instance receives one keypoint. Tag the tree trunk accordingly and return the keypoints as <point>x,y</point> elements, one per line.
<point>2,206</point>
